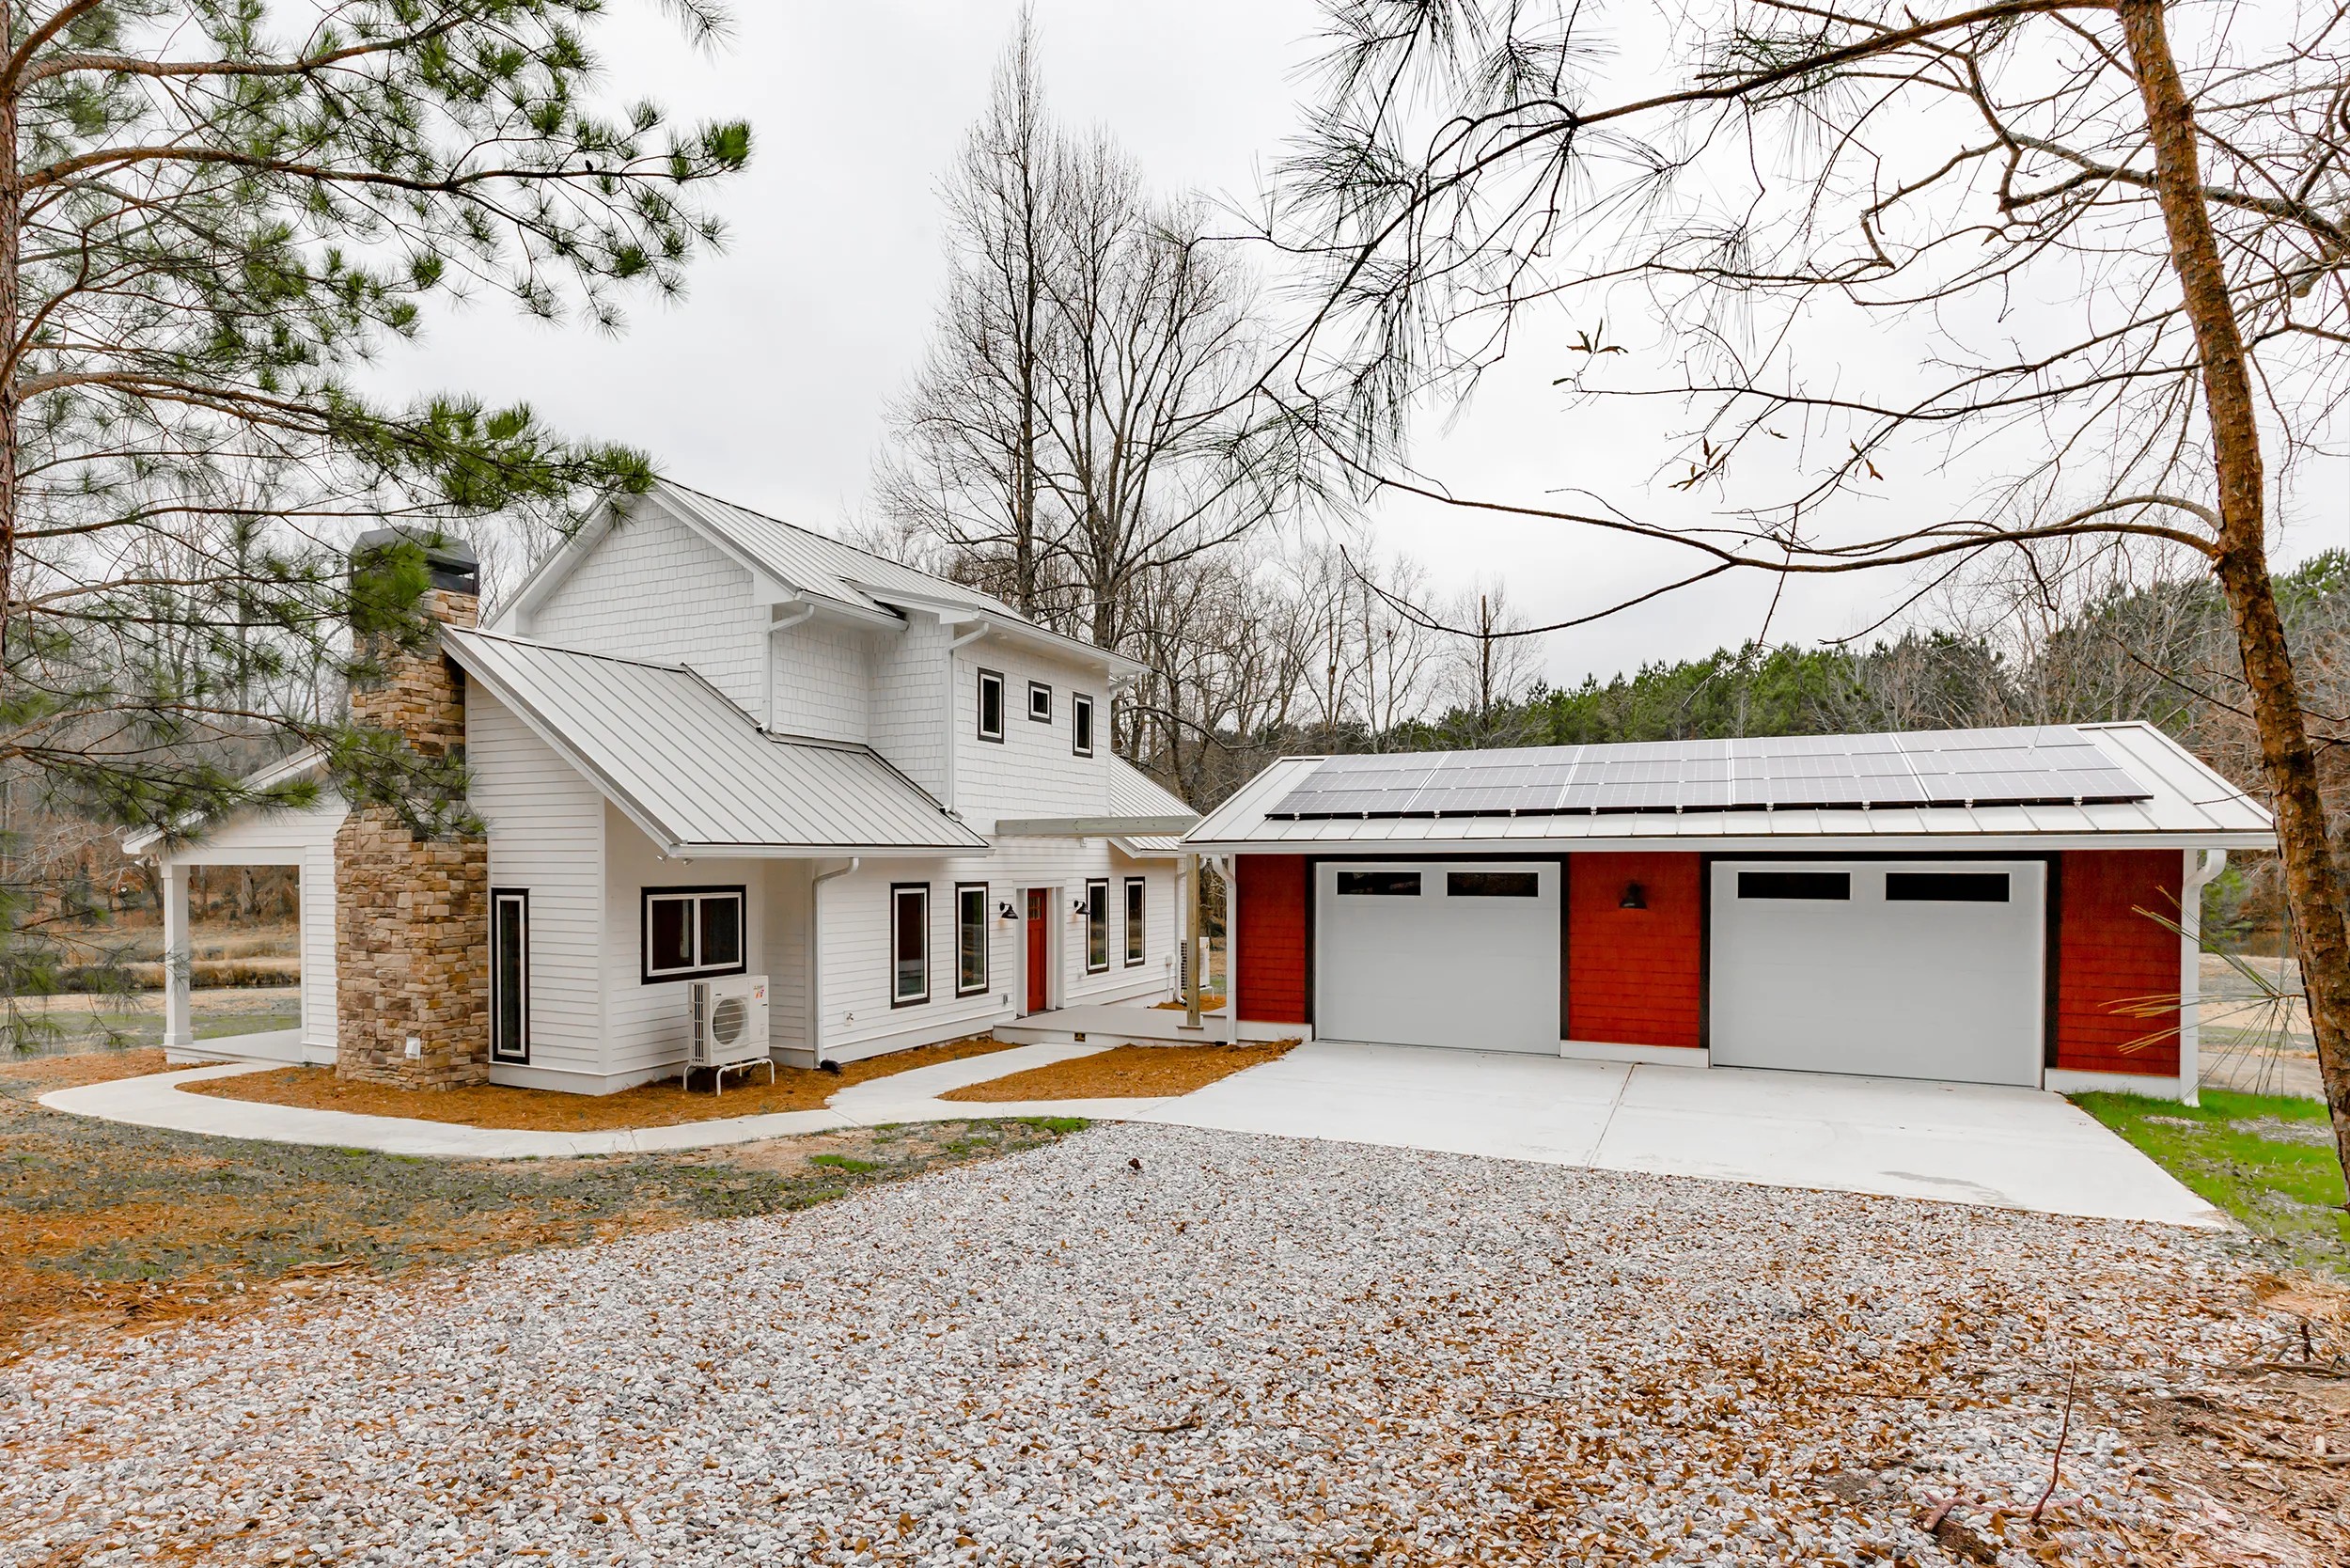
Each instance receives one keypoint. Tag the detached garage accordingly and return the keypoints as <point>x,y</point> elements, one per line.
<point>1973,907</point>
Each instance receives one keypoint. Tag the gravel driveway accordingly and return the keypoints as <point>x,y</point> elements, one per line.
<point>1249,1350</point>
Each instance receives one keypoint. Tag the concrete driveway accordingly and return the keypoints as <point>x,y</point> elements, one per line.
<point>1965,1143</point>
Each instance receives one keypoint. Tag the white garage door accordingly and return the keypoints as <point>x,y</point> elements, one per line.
<point>1904,969</point>
<point>1435,953</point>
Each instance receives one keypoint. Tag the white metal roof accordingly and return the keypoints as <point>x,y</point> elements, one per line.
<point>1136,794</point>
<point>692,770</point>
<point>2187,805</point>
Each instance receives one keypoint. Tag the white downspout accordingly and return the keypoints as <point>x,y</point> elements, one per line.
<point>2201,867</point>
<point>769,646</point>
<point>815,955</point>
<point>947,714</point>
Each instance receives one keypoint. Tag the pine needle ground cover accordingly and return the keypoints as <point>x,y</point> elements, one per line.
<point>2268,1159</point>
<point>106,1226</point>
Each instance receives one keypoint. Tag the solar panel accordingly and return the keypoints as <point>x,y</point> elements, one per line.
<point>2007,766</point>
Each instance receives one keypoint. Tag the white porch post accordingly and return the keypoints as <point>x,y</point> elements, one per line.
<point>1187,872</point>
<point>2202,866</point>
<point>178,1029</point>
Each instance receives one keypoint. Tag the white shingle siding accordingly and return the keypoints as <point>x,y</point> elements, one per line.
<point>1034,770</point>
<point>546,835</point>
<point>822,679</point>
<point>859,1019</point>
<point>906,722</point>
<point>653,589</point>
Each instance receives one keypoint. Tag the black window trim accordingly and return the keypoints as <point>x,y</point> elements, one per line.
<point>1137,912</point>
<point>644,932</point>
<point>1102,883</point>
<point>509,1058</point>
<point>896,888</point>
<point>1080,733</point>
<point>1043,689</point>
<point>986,958</point>
<point>1002,698</point>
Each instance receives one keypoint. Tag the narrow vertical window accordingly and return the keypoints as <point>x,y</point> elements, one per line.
<point>1134,921</point>
<point>991,706</point>
<point>509,974</point>
<point>909,943</point>
<point>1081,723</point>
<point>970,938</point>
<point>1097,925</point>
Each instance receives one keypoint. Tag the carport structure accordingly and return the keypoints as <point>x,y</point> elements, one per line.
<point>1982,906</point>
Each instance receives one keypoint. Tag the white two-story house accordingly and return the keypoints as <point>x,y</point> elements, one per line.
<point>706,743</point>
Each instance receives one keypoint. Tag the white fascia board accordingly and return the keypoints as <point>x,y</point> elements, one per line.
<point>1928,843</point>
<point>1004,623</point>
<point>825,852</point>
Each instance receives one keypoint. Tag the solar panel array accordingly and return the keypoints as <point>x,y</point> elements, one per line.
<point>2046,766</point>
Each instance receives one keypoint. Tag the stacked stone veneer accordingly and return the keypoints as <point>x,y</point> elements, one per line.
<point>412,914</point>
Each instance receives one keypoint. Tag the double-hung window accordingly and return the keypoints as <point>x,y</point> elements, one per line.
<point>1081,723</point>
<point>693,933</point>
<point>1134,921</point>
<point>990,705</point>
<point>1097,925</point>
<point>909,943</point>
<point>970,938</point>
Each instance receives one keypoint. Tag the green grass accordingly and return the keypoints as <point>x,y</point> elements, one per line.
<point>843,1162</point>
<point>1053,1125</point>
<point>2267,1159</point>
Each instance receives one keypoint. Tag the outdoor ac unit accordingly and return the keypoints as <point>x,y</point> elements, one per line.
<point>729,1025</point>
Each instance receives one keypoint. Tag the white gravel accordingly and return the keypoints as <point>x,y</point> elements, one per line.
<point>1251,1351</point>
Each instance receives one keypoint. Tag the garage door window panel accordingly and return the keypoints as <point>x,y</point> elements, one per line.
<point>1947,887</point>
<point>1795,885</point>
<point>1492,885</point>
<point>1379,885</point>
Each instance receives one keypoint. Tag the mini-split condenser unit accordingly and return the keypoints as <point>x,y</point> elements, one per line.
<point>730,1027</point>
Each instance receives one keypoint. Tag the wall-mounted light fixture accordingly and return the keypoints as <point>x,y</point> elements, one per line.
<point>1005,912</point>
<point>1635,897</point>
<point>1079,907</point>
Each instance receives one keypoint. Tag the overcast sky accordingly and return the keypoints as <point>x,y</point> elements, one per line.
<point>766,385</point>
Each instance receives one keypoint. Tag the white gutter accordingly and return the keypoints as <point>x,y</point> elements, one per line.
<point>789,621</point>
<point>947,714</point>
<point>815,955</point>
<point>2201,867</point>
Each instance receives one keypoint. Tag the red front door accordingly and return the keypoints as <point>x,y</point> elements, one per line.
<point>1039,987</point>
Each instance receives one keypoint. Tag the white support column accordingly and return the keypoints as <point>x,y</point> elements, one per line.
<point>1228,871</point>
<point>1187,874</point>
<point>2202,866</point>
<point>179,1028</point>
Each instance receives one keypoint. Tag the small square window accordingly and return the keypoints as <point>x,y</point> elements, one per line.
<point>1039,702</point>
<point>990,705</point>
<point>1081,723</point>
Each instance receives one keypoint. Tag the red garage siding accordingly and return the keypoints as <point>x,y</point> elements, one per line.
<point>1633,975</point>
<point>1271,963</point>
<point>2107,954</point>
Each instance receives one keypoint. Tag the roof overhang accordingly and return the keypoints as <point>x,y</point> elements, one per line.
<point>955,612</point>
<point>1773,844</point>
<point>1094,827</point>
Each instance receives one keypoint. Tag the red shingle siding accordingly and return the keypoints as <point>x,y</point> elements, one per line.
<point>1272,959</point>
<point>1633,975</point>
<point>2107,954</point>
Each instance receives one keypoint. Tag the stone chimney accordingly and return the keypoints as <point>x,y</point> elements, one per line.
<point>411,930</point>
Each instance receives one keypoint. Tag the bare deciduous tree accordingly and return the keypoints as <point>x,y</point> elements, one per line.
<point>2009,254</point>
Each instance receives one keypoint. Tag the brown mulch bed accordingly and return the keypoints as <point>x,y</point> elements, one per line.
<point>654,1105</point>
<point>1126,1072</point>
<point>45,1074</point>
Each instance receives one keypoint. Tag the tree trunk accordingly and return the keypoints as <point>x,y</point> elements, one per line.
<point>2312,885</point>
<point>11,373</point>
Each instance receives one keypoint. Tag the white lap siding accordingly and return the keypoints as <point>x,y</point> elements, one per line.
<point>858,1018</point>
<point>546,837</point>
<point>1034,770</point>
<point>785,951</point>
<point>647,1028</point>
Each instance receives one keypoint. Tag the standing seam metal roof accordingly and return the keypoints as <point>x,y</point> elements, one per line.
<point>694,771</point>
<point>2185,803</point>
